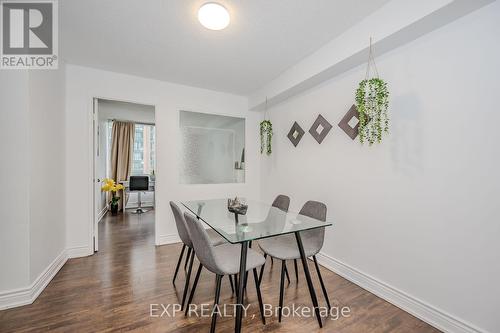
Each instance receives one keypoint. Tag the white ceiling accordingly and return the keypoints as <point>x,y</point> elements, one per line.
<point>163,39</point>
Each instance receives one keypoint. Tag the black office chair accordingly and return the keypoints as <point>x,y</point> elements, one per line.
<point>139,184</point>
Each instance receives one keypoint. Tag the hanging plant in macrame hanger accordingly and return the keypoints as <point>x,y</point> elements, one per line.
<point>372,102</point>
<point>266,134</point>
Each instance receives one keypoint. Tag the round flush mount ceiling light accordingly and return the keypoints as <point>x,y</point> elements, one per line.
<point>213,16</point>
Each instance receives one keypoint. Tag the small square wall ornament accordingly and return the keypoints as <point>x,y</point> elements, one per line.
<point>319,130</point>
<point>350,123</point>
<point>296,133</point>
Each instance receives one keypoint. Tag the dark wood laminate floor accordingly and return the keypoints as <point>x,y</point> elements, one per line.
<point>112,292</point>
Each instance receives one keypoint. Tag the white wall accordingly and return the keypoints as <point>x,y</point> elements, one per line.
<point>32,234</point>
<point>47,174</point>
<point>126,111</point>
<point>420,211</point>
<point>14,175</point>
<point>85,83</point>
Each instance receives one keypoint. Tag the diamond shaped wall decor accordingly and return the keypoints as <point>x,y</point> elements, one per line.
<point>296,133</point>
<point>350,123</point>
<point>319,130</point>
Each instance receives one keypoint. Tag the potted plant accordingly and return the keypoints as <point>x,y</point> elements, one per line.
<point>111,186</point>
<point>266,134</point>
<point>372,102</point>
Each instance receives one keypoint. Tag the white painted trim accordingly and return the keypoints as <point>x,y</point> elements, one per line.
<point>410,304</point>
<point>27,295</point>
<point>168,239</point>
<point>102,213</point>
<point>79,251</point>
<point>420,309</point>
<point>24,296</point>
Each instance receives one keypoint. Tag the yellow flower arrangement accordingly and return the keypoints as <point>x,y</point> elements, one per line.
<point>109,185</point>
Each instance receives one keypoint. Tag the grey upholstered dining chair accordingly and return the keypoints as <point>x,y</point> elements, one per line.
<point>221,261</point>
<point>281,202</point>
<point>180,222</point>
<point>285,247</point>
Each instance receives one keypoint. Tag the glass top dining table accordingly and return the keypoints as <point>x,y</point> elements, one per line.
<point>260,221</point>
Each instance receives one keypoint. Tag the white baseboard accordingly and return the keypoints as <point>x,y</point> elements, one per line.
<point>24,296</point>
<point>408,303</point>
<point>168,239</point>
<point>27,295</point>
<point>79,251</point>
<point>102,213</point>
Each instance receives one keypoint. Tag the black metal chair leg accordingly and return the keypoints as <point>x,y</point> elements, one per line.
<point>296,271</point>
<point>193,288</point>
<point>282,289</point>
<point>262,269</point>
<point>246,280</point>
<point>187,258</point>
<point>322,283</point>
<point>179,262</point>
<point>241,281</point>
<point>216,303</point>
<point>188,277</point>
<point>231,282</point>
<point>286,272</point>
<point>307,274</point>
<point>235,277</point>
<point>246,275</point>
<point>259,296</point>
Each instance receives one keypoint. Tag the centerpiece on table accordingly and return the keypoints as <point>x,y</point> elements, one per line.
<point>236,206</point>
<point>111,186</point>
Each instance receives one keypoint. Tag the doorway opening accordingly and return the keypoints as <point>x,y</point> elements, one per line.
<point>124,163</point>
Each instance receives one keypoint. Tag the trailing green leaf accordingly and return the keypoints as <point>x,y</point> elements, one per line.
<point>372,102</point>
<point>266,134</point>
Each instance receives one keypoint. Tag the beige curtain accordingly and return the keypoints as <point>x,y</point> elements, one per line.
<point>122,145</point>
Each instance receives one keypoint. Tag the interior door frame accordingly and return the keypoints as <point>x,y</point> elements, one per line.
<point>95,152</point>
<point>94,114</point>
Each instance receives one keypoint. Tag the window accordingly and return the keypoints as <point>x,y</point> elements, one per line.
<point>143,157</point>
